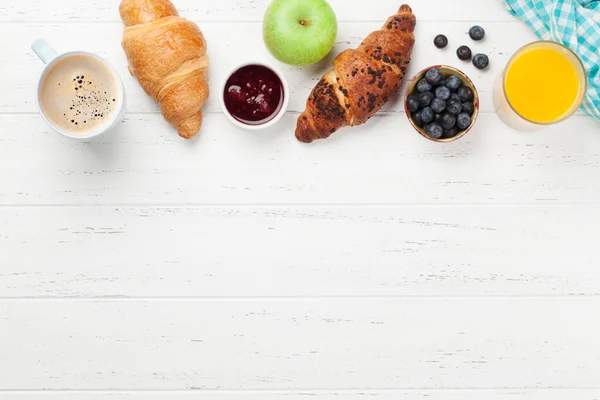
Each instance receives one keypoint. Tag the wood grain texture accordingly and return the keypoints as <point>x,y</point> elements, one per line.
<point>251,10</point>
<point>507,394</point>
<point>21,67</point>
<point>359,344</point>
<point>251,267</point>
<point>382,162</point>
<point>289,251</point>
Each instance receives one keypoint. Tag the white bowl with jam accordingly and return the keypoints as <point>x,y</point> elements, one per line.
<point>255,96</point>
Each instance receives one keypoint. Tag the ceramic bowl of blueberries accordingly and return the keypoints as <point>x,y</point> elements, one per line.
<point>442,103</point>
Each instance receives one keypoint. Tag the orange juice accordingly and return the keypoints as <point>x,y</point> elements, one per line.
<point>543,83</point>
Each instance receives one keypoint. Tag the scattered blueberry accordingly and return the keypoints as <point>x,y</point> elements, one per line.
<point>453,83</point>
<point>434,76</point>
<point>438,105</point>
<point>427,115</point>
<point>443,92</point>
<point>425,99</point>
<point>468,107</point>
<point>434,131</point>
<point>454,106</point>
<point>464,53</point>
<point>477,33</point>
<point>424,86</point>
<point>412,103</point>
<point>463,121</point>
<point>465,93</point>
<point>448,121</point>
<point>440,41</point>
<point>481,61</point>
<point>450,133</point>
<point>417,119</point>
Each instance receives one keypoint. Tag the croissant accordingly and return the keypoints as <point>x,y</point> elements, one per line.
<point>167,54</point>
<point>361,80</point>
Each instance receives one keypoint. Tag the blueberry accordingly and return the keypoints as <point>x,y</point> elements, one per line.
<point>481,61</point>
<point>417,119</point>
<point>424,86</point>
<point>455,96</point>
<point>438,105</point>
<point>440,41</point>
<point>463,121</point>
<point>448,121</point>
<point>453,83</point>
<point>425,99</point>
<point>427,115</point>
<point>464,53</point>
<point>450,133</point>
<point>468,107</point>
<point>477,33</point>
<point>465,93</point>
<point>454,106</point>
<point>412,103</point>
<point>442,92</point>
<point>442,83</point>
<point>437,119</point>
<point>434,76</point>
<point>434,131</point>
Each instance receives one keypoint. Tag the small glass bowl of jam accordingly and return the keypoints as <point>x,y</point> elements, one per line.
<point>255,96</point>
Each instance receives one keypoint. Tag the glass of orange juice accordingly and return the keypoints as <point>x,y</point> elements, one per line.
<point>543,84</point>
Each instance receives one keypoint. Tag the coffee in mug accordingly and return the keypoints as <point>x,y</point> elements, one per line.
<point>79,94</point>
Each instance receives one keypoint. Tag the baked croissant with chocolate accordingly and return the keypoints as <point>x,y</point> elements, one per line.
<point>167,54</point>
<point>361,80</point>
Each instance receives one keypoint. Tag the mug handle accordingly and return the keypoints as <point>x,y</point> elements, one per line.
<point>44,51</point>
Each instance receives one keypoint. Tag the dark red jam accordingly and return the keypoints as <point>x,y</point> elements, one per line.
<point>254,95</point>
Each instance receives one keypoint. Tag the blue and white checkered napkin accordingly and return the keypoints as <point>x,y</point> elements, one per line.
<point>574,23</point>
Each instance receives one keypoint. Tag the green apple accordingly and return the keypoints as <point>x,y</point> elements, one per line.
<point>299,32</point>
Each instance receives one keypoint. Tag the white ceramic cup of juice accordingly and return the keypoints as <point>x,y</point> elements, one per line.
<point>543,84</point>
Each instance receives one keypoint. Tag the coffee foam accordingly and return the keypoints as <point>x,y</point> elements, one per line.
<point>79,93</point>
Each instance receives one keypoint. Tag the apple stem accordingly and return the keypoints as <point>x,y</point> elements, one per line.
<point>304,23</point>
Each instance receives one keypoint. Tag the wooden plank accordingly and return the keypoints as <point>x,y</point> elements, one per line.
<point>251,10</point>
<point>352,344</point>
<point>231,44</point>
<point>292,251</point>
<point>494,394</point>
<point>382,162</point>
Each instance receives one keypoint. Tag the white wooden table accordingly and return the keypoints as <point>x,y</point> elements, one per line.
<point>240,265</point>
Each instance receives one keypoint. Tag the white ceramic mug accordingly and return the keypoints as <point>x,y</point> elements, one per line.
<point>50,57</point>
